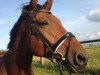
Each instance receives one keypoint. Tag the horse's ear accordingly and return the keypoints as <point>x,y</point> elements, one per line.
<point>33,4</point>
<point>48,5</point>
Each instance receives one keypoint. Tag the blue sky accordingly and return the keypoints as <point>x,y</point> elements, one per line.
<point>81,17</point>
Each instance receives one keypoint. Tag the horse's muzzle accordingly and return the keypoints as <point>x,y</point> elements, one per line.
<point>78,63</point>
<point>80,59</point>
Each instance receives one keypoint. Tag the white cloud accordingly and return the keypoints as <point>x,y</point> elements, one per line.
<point>98,33</point>
<point>93,37</point>
<point>1,22</point>
<point>89,37</point>
<point>94,15</point>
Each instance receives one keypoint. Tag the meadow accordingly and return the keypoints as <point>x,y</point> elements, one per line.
<point>48,68</point>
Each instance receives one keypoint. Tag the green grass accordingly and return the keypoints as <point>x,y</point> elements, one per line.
<point>93,67</point>
<point>46,69</point>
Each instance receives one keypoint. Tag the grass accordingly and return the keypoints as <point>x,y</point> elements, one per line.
<point>45,69</point>
<point>93,67</point>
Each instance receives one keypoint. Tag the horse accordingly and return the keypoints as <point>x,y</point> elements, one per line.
<point>38,32</point>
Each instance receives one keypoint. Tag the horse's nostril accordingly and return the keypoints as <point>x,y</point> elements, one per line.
<point>80,59</point>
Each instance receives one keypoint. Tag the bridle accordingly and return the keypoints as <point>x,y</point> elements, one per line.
<point>52,49</point>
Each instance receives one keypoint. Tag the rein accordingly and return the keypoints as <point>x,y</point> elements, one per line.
<point>51,48</point>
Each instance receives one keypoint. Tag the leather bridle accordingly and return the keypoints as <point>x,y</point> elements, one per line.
<point>52,49</point>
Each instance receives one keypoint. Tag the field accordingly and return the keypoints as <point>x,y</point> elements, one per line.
<point>93,67</point>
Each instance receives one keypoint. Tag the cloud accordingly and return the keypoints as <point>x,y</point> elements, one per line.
<point>95,36</point>
<point>1,22</point>
<point>90,37</point>
<point>94,15</point>
<point>98,33</point>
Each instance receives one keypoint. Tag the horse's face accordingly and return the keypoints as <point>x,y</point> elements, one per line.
<point>52,29</point>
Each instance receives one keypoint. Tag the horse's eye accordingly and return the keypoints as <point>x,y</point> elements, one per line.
<point>42,23</point>
<point>45,22</point>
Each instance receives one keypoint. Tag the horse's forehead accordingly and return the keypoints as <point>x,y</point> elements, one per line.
<point>47,16</point>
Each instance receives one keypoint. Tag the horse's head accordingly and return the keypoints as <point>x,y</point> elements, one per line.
<point>50,39</point>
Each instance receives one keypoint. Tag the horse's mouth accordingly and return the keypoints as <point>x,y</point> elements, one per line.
<point>75,69</point>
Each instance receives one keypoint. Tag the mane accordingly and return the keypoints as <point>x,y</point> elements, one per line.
<point>15,29</point>
<point>17,25</point>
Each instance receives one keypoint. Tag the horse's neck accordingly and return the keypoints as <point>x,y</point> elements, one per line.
<point>18,60</point>
<point>15,65</point>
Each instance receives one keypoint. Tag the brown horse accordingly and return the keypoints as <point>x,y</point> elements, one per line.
<point>38,32</point>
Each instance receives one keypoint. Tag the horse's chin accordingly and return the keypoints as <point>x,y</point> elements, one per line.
<point>73,68</point>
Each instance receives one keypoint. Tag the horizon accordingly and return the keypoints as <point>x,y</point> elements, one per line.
<point>82,18</point>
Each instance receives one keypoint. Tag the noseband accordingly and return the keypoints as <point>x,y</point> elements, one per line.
<point>52,49</point>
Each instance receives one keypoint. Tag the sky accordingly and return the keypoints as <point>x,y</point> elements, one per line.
<point>81,17</point>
